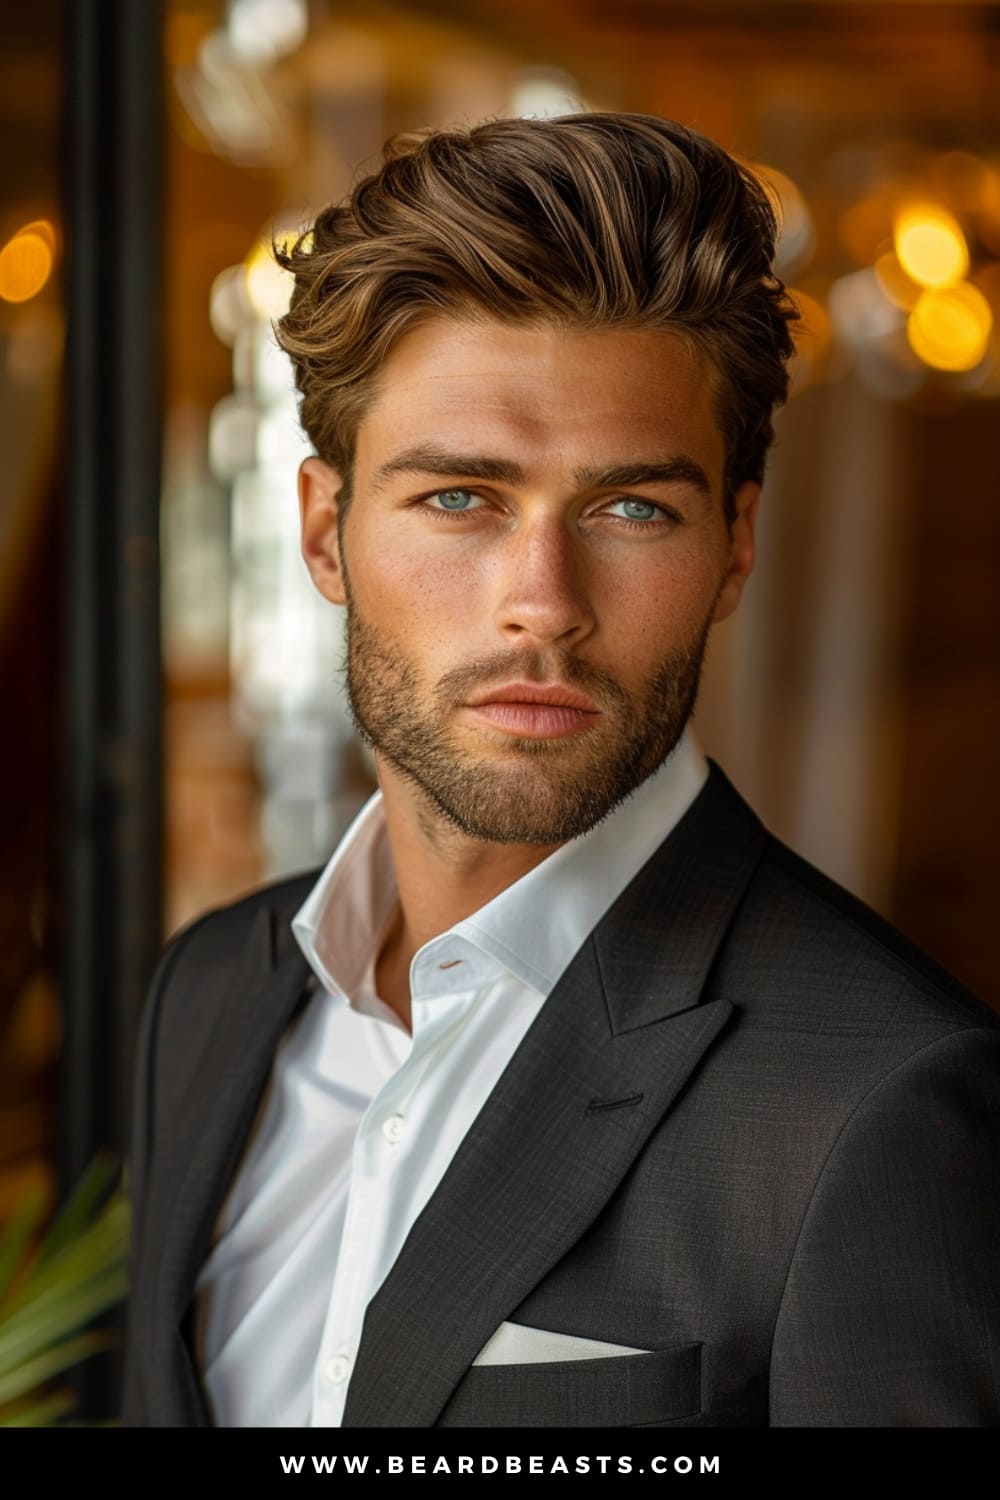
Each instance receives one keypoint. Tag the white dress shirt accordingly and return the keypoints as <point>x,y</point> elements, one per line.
<point>360,1119</point>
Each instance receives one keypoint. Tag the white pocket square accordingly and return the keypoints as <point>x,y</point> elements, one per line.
<point>517,1344</point>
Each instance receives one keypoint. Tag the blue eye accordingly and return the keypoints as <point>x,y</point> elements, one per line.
<point>454,499</point>
<point>639,510</point>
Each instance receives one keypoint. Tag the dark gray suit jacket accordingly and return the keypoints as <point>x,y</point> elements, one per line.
<point>752,1131</point>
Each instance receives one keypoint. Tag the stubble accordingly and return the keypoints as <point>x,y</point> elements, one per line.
<point>517,789</point>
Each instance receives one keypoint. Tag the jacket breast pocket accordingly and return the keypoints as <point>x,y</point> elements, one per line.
<point>661,1385</point>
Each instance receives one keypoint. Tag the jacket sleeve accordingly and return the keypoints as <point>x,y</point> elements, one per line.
<point>890,1315</point>
<point>138,1167</point>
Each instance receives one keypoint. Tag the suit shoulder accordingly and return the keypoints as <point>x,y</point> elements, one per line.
<point>209,941</point>
<point>195,972</point>
<point>842,947</point>
<point>282,896</point>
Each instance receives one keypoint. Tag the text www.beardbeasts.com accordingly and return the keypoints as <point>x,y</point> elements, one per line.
<point>600,1463</point>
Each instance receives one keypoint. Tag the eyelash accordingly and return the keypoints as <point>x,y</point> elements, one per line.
<point>461,515</point>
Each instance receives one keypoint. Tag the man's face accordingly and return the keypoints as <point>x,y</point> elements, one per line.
<point>534,553</point>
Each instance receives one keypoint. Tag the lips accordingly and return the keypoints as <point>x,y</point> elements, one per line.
<point>554,695</point>
<point>533,710</point>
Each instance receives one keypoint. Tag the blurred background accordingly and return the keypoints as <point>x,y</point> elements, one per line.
<point>174,726</point>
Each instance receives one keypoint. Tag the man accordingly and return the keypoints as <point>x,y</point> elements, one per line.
<point>564,1095</point>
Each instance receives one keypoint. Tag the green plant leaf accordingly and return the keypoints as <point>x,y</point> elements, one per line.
<point>104,1243</point>
<point>80,1207</point>
<point>37,1412</point>
<point>17,1235</point>
<point>35,1328</point>
<point>50,1290</point>
<point>52,1362</point>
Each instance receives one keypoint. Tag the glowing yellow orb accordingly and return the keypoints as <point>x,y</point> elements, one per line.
<point>269,285</point>
<point>930,245</point>
<point>949,329</point>
<point>25,264</point>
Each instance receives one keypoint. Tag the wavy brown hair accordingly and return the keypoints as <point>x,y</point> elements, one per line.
<point>590,220</point>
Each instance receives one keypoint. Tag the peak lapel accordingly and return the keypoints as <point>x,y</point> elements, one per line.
<point>268,980</point>
<point>624,1026</point>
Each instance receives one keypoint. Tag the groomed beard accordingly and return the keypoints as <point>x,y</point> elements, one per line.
<point>530,791</point>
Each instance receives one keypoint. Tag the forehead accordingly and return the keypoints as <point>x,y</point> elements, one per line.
<point>543,394</point>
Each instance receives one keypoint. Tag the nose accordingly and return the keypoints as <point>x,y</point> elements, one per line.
<point>544,590</point>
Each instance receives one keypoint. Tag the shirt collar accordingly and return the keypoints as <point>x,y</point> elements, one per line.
<point>534,927</point>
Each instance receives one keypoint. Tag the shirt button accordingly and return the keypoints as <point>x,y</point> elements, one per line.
<point>336,1369</point>
<point>393,1129</point>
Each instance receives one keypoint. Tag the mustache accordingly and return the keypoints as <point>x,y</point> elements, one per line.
<point>532,666</point>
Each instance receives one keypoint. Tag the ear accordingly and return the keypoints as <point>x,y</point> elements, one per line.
<point>741,550</point>
<point>319,490</point>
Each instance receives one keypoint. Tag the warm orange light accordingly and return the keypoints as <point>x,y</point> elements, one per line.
<point>949,329</point>
<point>930,245</point>
<point>900,289</point>
<point>269,285</point>
<point>26,262</point>
<point>43,229</point>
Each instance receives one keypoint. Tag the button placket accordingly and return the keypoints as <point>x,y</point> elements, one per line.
<point>438,1012</point>
<point>340,1331</point>
<point>398,1092</point>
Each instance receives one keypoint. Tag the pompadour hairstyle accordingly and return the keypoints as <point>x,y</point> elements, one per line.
<point>591,220</point>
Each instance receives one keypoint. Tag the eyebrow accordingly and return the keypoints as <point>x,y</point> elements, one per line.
<point>678,469</point>
<point>425,458</point>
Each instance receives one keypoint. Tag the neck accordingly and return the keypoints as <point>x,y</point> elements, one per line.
<point>442,876</point>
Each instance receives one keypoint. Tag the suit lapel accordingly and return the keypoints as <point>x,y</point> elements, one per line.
<point>267,982</point>
<point>609,1051</point>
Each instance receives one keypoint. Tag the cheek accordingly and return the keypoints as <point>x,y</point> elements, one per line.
<point>663,594</point>
<point>420,594</point>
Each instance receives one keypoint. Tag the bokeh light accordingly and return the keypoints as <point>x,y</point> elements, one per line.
<point>796,237</point>
<point>900,289</point>
<point>860,310</point>
<point>229,306</point>
<point>949,329</point>
<point>269,285</point>
<point>930,245</point>
<point>261,31</point>
<point>26,261</point>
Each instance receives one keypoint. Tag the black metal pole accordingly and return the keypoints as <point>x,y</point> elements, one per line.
<point>111,879</point>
